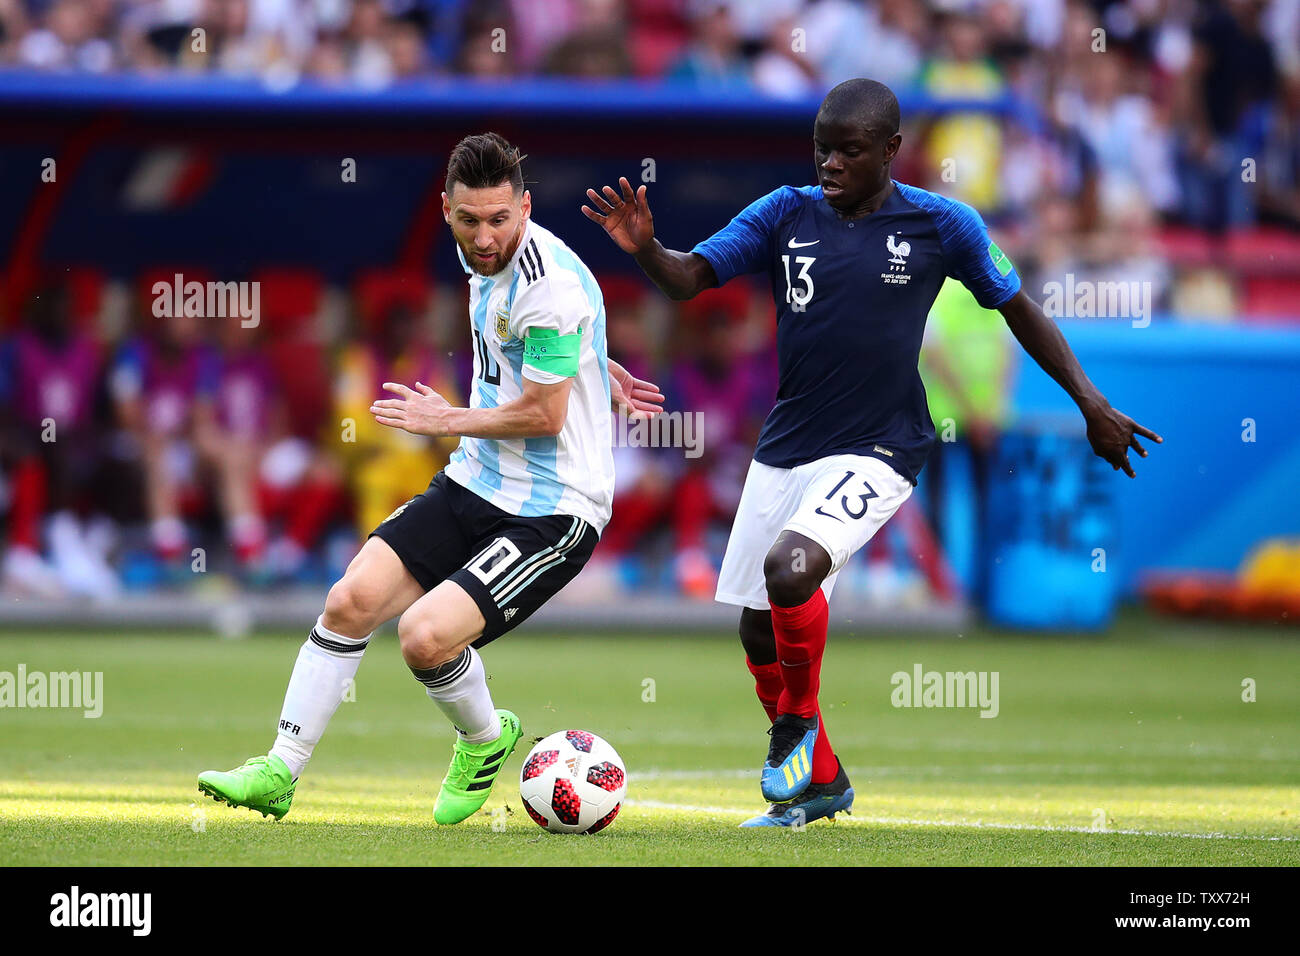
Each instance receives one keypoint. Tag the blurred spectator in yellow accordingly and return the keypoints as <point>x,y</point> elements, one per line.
<point>964,149</point>
<point>386,466</point>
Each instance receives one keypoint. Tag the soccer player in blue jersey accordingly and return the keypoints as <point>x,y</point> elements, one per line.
<point>855,263</point>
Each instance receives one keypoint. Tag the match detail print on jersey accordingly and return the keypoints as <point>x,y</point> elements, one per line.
<point>851,314</point>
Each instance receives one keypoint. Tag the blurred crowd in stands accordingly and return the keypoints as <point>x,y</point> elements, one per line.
<point>1136,113</point>
<point>1164,101</point>
<point>1158,143</point>
<point>136,451</point>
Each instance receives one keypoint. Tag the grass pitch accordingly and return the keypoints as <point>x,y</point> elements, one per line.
<point>1135,748</point>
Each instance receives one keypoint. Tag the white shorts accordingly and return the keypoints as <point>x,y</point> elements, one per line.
<point>840,502</point>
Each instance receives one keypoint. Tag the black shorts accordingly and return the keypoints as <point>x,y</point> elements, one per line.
<point>509,565</point>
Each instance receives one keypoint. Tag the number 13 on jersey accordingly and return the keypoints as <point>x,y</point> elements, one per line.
<point>798,298</point>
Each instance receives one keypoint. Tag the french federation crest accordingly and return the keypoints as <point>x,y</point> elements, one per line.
<point>503,325</point>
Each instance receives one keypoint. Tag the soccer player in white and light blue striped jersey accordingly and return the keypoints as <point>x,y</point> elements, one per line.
<point>511,520</point>
<point>540,321</point>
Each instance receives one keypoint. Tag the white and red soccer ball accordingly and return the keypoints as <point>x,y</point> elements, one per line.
<point>573,782</point>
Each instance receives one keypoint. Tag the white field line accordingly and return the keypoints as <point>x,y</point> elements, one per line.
<point>971,824</point>
<point>935,770</point>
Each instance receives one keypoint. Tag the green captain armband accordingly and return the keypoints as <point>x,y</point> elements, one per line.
<point>548,350</point>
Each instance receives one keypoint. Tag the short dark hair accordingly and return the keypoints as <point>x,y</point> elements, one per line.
<point>484,161</point>
<point>869,103</point>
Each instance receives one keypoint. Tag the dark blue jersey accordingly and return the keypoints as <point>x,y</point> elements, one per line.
<point>852,298</point>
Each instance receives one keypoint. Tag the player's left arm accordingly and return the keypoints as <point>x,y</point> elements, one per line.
<point>1110,432</point>
<point>986,271</point>
<point>537,413</point>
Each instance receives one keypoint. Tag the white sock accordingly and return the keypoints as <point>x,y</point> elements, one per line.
<point>459,688</point>
<point>326,667</point>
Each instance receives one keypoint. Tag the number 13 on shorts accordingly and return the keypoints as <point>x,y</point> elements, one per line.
<point>846,501</point>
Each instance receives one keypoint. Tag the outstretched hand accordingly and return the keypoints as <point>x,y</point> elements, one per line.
<point>1112,433</point>
<point>634,397</point>
<point>626,218</point>
<point>420,411</point>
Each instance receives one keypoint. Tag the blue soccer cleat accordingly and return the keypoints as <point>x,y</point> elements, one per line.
<point>788,769</point>
<point>820,801</point>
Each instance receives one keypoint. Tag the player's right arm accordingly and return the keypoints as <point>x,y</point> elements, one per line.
<point>627,220</point>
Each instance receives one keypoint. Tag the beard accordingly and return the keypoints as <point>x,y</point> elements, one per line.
<point>503,257</point>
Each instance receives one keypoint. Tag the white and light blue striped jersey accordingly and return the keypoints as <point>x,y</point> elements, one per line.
<point>545,288</point>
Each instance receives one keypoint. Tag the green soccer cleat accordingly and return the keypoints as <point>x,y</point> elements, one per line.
<point>474,768</point>
<point>263,784</point>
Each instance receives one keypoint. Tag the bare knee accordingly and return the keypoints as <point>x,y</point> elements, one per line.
<point>794,569</point>
<point>424,642</point>
<point>353,607</point>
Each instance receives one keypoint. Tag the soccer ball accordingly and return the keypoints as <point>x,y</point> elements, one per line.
<point>573,782</point>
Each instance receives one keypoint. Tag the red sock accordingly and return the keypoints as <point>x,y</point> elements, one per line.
<point>767,684</point>
<point>825,764</point>
<point>800,641</point>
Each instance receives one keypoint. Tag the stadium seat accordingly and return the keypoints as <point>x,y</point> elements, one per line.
<point>619,290</point>
<point>1271,297</point>
<point>86,294</point>
<point>1187,247</point>
<point>288,297</point>
<point>378,290</point>
<point>147,278</point>
<point>733,299</point>
<point>1265,251</point>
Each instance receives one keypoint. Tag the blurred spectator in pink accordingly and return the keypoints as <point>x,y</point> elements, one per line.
<point>49,372</point>
<point>718,395</point>
<point>249,416</point>
<point>166,387</point>
<point>644,479</point>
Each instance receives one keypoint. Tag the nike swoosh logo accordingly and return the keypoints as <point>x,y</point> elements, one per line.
<point>795,244</point>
